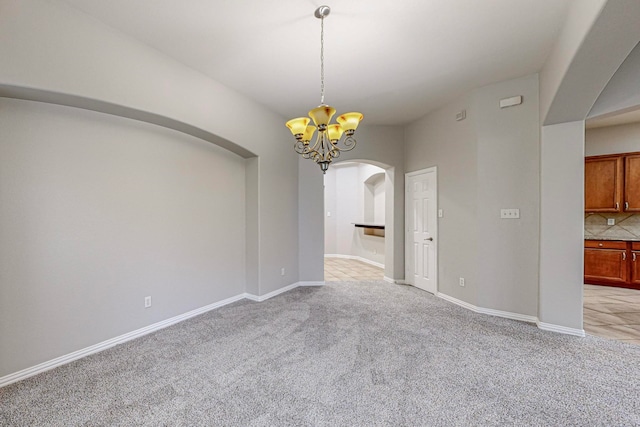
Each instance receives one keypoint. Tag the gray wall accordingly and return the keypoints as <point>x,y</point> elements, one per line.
<point>105,71</point>
<point>508,177</point>
<point>612,139</point>
<point>562,224</point>
<point>439,140</point>
<point>310,220</point>
<point>97,212</point>
<point>486,162</point>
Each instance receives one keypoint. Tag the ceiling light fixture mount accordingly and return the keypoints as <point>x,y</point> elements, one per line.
<point>326,147</point>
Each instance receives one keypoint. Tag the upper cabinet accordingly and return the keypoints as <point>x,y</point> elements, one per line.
<point>603,183</point>
<point>632,182</point>
<point>612,183</point>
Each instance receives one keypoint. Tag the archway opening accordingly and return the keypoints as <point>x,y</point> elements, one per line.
<point>357,197</point>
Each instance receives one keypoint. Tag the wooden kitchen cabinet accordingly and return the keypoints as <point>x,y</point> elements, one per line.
<point>632,183</point>
<point>603,183</point>
<point>612,263</point>
<point>605,262</point>
<point>612,183</point>
<point>635,264</point>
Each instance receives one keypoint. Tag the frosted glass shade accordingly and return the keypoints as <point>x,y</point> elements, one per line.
<point>335,132</point>
<point>322,115</point>
<point>298,126</point>
<point>349,121</point>
<point>308,133</point>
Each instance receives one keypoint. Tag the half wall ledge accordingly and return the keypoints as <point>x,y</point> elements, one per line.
<point>50,97</point>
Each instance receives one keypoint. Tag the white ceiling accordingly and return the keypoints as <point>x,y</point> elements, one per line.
<point>393,61</point>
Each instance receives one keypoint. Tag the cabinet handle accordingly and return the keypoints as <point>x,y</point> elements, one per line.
<point>624,256</point>
<point>626,206</point>
<point>617,206</point>
<point>633,255</point>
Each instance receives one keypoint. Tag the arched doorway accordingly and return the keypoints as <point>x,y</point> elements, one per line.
<point>570,83</point>
<point>359,214</point>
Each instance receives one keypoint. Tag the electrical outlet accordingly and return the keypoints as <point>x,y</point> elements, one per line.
<point>147,302</point>
<point>611,221</point>
<point>282,271</point>
<point>462,281</point>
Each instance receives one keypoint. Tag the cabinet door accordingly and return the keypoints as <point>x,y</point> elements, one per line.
<point>635,267</point>
<point>603,184</point>
<point>632,183</point>
<point>605,265</point>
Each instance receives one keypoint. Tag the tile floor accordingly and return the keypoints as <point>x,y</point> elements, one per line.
<point>345,270</point>
<point>613,313</point>
<point>609,312</point>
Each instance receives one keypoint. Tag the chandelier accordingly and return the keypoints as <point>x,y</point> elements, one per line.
<point>325,148</point>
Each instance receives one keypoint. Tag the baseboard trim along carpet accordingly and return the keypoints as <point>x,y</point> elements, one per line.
<point>514,316</point>
<point>489,311</point>
<point>96,348</point>
<point>357,258</point>
<point>561,329</point>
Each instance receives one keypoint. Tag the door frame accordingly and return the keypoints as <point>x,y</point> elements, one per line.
<point>408,242</point>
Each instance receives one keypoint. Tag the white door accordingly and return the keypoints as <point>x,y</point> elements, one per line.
<point>421,223</point>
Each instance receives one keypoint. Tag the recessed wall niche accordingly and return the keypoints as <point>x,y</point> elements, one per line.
<point>374,199</point>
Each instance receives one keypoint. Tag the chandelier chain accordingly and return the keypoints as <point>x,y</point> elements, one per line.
<point>322,60</point>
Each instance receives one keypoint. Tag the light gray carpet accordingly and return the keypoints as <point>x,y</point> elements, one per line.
<point>358,353</point>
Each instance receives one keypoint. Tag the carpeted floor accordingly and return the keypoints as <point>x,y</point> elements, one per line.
<point>346,354</point>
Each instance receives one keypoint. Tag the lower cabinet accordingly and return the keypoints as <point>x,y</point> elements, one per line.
<point>613,263</point>
<point>635,264</point>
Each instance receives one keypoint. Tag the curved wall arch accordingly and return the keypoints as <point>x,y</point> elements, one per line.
<point>596,40</point>
<point>50,97</point>
<point>54,53</point>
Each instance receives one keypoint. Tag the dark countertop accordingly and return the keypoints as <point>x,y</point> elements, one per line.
<point>626,239</point>
<point>364,225</point>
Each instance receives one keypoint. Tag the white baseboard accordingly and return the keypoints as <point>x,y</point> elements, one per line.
<point>260,298</point>
<point>63,360</point>
<point>394,281</point>
<point>561,329</point>
<point>311,284</point>
<point>67,358</point>
<point>457,301</point>
<point>359,258</point>
<point>489,311</point>
<point>515,316</point>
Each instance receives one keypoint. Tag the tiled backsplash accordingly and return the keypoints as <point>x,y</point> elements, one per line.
<point>627,226</point>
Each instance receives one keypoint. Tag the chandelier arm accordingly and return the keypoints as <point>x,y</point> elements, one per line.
<point>300,147</point>
<point>317,146</point>
<point>349,143</point>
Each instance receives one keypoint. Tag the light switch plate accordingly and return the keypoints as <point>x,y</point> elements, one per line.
<point>509,213</point>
